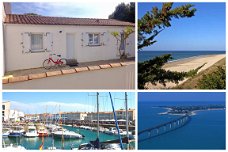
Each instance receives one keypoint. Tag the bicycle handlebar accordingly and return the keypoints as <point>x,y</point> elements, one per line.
<point>59,55</point>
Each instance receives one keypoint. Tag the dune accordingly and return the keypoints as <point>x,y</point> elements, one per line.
<point>185,65</point>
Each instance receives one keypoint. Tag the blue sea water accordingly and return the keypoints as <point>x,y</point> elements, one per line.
<point>206,130</point>
<point>147,55</point>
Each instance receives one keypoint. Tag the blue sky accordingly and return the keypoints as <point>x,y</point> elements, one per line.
<point>182,97</point>
<point>37,102</point>
<point>67,9</point>
<point>204,31</point>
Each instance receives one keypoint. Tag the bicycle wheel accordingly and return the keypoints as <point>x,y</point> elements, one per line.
<point>47,64</point>
<point>62,62</point>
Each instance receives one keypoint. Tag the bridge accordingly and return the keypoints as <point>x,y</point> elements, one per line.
<point>163,128</point>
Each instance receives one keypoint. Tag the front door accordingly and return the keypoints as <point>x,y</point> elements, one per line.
<point>70,45</point>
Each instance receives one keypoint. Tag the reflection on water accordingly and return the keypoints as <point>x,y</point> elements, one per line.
<point>34,143</point>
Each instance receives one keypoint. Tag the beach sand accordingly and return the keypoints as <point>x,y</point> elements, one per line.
<point>185,65</point>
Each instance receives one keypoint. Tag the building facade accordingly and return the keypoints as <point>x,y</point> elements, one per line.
<point>120,114</point>
<point>5,111</point>
<point>29,40</point>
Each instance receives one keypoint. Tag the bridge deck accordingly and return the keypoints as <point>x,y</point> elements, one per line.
<point>164,124</point>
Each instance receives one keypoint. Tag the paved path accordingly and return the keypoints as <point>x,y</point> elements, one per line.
<point>113,78</point>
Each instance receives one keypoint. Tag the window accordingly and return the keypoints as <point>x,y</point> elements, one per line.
<point>36,42</point>
<point>3,107</point>
<point>94,39</point>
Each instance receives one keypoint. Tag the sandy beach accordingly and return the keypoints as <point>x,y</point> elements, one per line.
<point>185,65</point>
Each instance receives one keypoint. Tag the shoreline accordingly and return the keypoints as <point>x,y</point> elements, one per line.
<point>193,62</point>
<point>187,64</point>
<point>193,113</point>
<point>183,58</point>
<point>192,57</point>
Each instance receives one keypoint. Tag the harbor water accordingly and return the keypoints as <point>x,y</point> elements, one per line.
<point>34,143</point>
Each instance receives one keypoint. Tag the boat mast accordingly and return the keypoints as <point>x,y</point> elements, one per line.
<point>61,127</point>
<point>127,129</point>
<point>116,123</point>
<point>97,115</point>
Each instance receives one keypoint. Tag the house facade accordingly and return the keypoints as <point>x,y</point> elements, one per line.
<point>120,114</point>
<point>28,40</point>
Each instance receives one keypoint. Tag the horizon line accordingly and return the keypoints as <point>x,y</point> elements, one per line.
<point>183,50</point>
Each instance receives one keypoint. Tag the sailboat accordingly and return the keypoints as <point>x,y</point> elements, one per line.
<point>93,145</point>
<point>114,146</point>
<point>96,145</point>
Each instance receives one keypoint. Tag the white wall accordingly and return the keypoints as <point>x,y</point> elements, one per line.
<point>16,59</point>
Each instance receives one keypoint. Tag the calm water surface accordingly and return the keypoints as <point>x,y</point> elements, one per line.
<point>206,130</point>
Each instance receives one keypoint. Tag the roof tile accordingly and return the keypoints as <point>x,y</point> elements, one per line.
<point>46,20</point>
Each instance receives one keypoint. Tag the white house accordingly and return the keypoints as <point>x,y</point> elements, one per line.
<point>28,40</point>
<point>16,115</point>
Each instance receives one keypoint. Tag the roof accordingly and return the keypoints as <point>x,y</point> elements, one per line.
<point>46,20</point>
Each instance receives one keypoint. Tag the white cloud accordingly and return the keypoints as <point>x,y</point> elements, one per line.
<point>51,107</point>
<point>91,9</point>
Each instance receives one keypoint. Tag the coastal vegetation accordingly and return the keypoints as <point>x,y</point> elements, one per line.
<point>124,12</point>
<point>183,110</point>
<point>151,71</point>
<point>155,21</point>
<point>213,78</point>
<point>149,26</point>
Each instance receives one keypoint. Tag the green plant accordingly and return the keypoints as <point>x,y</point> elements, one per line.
<point>117,35</point>
<point>155,21</point>
<point>215,80</point>
<point>151,71</point>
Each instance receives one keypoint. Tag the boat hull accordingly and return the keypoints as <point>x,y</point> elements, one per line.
<point>31,135</point>
<point>66,136</point>
<point>15,135</point>
<point>42,134</point>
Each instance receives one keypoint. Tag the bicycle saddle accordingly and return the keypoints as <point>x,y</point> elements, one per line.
<point>59,55</point>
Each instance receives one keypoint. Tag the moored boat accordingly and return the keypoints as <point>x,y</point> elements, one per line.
<point>5,132</point>
<point>42,132</point>
<point>31,132</point>
<point>16,131</point>
<point>67,134</point>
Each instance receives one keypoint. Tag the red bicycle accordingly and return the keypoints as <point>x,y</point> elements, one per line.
<point>49,63</point>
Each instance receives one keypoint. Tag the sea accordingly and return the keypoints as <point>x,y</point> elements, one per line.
<point>34,143</point>
<point>206,130</point>
<point>147,55</point>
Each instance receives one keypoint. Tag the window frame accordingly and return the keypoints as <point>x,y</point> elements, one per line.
<point>93,39</point>
<point>37,50</point>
